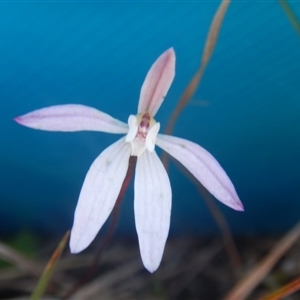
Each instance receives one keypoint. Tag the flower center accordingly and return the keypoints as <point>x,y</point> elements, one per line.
<point>142,133</point>
<point>144,125</point>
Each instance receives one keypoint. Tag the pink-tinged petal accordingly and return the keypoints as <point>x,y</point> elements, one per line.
<point>71,117</point>
<point>157,83</point>
<point>203,166</point>
<point>99,192</point>
<point>152,208</point>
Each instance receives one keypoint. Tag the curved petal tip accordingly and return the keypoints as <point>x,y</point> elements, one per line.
<point>239,205</point>
<point>204,167</point>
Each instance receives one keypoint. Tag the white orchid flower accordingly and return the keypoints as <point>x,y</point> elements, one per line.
<point>152,190</point>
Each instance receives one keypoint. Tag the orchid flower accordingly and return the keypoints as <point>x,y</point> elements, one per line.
<point>152,190</point>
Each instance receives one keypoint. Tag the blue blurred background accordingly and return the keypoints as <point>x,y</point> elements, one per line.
<point>246,111</point>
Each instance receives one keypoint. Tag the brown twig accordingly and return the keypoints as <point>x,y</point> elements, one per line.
<point>285,291</point>
<point>291,15</point>
<point>99,285</point>
<point>247,284</point>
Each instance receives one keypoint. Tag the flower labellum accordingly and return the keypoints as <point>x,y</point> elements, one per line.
<point>152,189</point>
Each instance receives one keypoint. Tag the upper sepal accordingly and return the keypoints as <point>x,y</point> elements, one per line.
<point>157,83</point>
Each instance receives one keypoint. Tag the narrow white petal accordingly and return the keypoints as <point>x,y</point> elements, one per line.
<point>203,166</point>
<point>71,117</point>
<point>152,208</point>
<point>99,193</point>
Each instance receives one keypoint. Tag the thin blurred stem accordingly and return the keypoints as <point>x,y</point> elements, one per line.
<point>227,237</point>
<point>210,43</point>
<point>48,271</point>
<point>209,47</point>
<point>255,276</point>
<point>291,15</point>
<point>111,229</point>
<point>285,291</point>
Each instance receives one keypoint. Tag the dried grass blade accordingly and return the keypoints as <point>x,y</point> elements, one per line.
<point>102,284</point>
<point>291,15</point>
<point>247,284</point>
<point>48,271</point>
<point>285,291</point>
